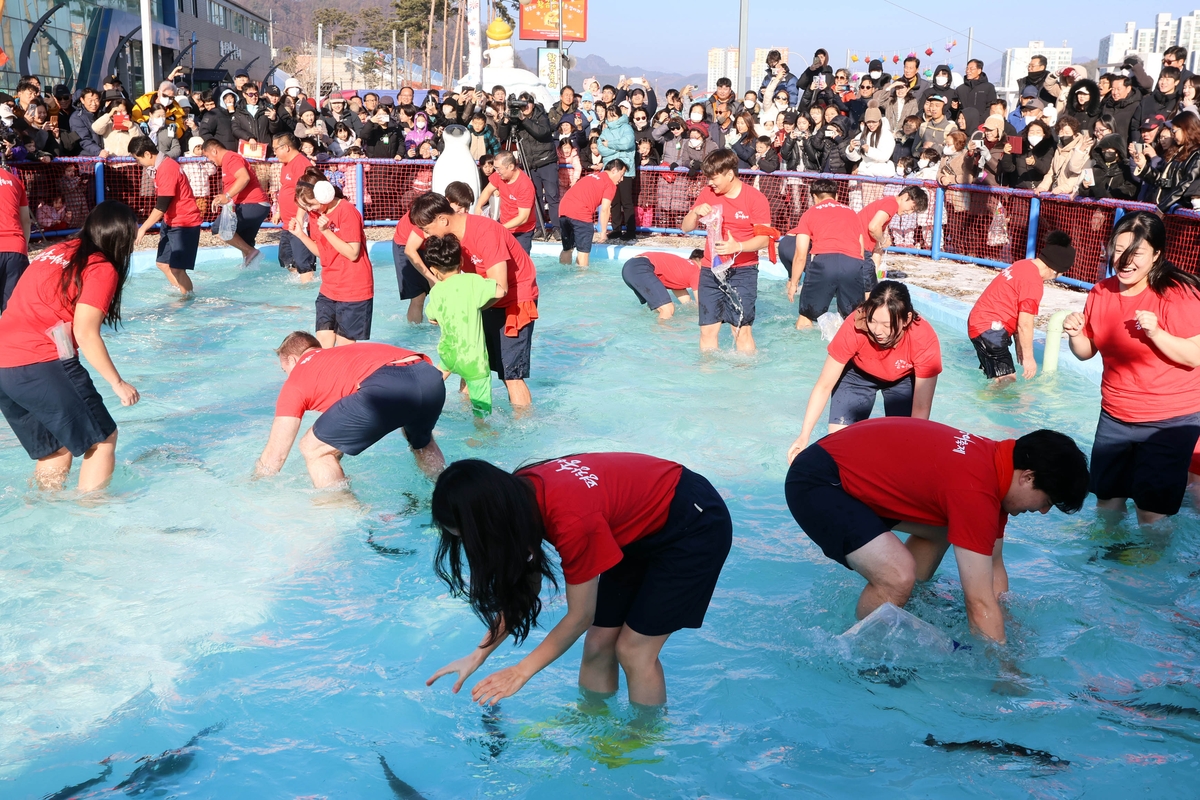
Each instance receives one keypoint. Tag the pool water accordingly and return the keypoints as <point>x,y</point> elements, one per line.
<point>278,639</point>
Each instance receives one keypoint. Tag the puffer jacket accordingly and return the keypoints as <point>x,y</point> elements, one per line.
<point>942,78</point>
<point>826,150</point>
<point>1111,180</point>
<point>115,142</point>
<point>1157,104</point>
<point>805,83</point>
<point>1067,166</point>
<point>617,141</point>
<point>1125,116</point>
<point>789,83</point>
<point>677,152</point>
<point>536,137</point>
<point>1029,176</point>
<point>1087,115</point>
<point>876,161</point>
<point>1169,183</point>
<point>978,94</point>
<point>744,149</point>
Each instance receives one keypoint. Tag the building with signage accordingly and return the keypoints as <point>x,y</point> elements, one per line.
<point>84,41</point>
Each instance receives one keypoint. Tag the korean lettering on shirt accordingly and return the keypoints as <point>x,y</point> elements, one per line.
<point>579,470</point>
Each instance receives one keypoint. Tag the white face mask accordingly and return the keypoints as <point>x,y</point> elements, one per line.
<point>949,150</point>
<point>876,74</point>
<point>1035,139</point>
<point>923,163</point>
<point>695,143</point>
<point>697,116</point>
<point>420,124</point>
<point>293,92</point>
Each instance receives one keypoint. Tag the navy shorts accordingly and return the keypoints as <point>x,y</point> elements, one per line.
<point>838,523</point>
<point>12,266</point>
<point>508,356</point>
<point>294,255</point>
<point>409,396</point>
<point>853,397</point>
<point>411,283</point>
<point>525,239</point>
<point>828,275</point>
<point>995,359</point>
<point>177,247</point>
<point>870,279</point>
<point>787,252</point>
<point>576,234</point>
<point>665,581</point>
<point>1144,461</point>
<point>250,217</point>
<point>53,405</point>
<point>732,304</point>
<point>350,320</point>
<point>638,274</point>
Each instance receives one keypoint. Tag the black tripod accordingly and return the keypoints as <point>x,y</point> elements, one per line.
<point>514,143</point>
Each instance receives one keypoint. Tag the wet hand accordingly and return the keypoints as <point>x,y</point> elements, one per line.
<point>499,685</point>
<point>462,667</point>
<point>1073,324</point>
<point>797,447</point>
<point>702,210</point>
<point>1147,321</point>
<point>1029,369</point>
<point>600,238</point>
<point>729,247</point>
<point>127,394</point>
<point>792,288</point>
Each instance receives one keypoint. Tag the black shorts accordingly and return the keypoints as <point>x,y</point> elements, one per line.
<point>508,356</point>
<point>734,303</point>
<point>177,247</point>
<point>576,234</point>
<point>294,255</point>
<point>870,279</point>
<point>12,267</point>
<point>351,320</point>
<point>250,217</point>
<point>787,252</point>
<point>837,522</point>
<point>665,581</point>
<point>525,240</point>
<point>853,397</point>
<point>827,275</point>
<point>412,283</point>
<point>638,274</point>
<point>995,359</point>
<point>409,396</point>
<point>53,405</point>
<point>1145,461</point>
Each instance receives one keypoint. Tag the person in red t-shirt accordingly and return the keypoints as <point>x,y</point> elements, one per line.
<point>15,225</point>
<point>332,229</point>
<point>651,275</point>
<point>46,395</point>
<point>578,206</point>
<point>175,207</point>
<point>293,255</point>
<point>412,276</point>
<point>517,198</point>
<point>832,234</point>
<point>876,217</point>
<point>642,542</point>
<point>364,392</point>
<point>885,347</point>
<point>490,250</point>
<point>1008,307</point>
<point>730,296</point>
<point>940,485</point>
<point>1144,322</point>
<point>242,189</point>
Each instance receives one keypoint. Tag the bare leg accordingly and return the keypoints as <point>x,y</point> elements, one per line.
<point>324,462</point>
<point>743,337</point>
<point>416,309</point>
<point>835,427</point>
<point>682,294</point>
<point>342,340</point>
<point>665,311</point>
<point>1112,510</point>
<point>803,323</point>
<point>178,278</point>
<point>1149,517</point>
<point>565,256</point>
<point>1004,379</point>
<point>308,277</point>
<point>638,656</point>
<point>708,336</point>
<point>240,245</point>
<point>1194,488</point>
<point>598,669</point>
<point>98,463</point>
<point>583,259</point>
<point>518,393</point>
<point>889,569</point>
<point>50,473</point>
<point>430,459</point>
<point>927,554</point>
<point>327,338</point>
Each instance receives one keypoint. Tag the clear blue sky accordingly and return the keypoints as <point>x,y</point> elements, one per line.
<point>635,32</point>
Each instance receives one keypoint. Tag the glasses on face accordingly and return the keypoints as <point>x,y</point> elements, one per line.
<point>249,94</point>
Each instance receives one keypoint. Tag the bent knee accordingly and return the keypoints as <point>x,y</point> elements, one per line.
<point>633,655</point>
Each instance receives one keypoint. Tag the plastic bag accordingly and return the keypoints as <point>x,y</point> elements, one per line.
<point>997,235</point>
<point>890,633</point>
<point>829,324</point>
<point>63,340</point>
<point>713,221</point>
<point>227,222</point>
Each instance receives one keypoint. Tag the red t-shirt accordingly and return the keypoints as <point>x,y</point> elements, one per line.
<point>1139,383</point>
<point>322,377</point>
<point>342,279</point>
<point>833,228</point>
<point>12,200</point>
<point>288,176</point>
<point>675,272</point>
<point>581,200</point>
<point>37,305</point>
<point>593,504</point>
<point>741,214</point>
<point>405,229</point>
<point>1018,288</point>
<point>485,244</point>
<point>887,204</point>
<point>231,162</point>
<point>917,353</point>
<point>169,181</point>
<point>935,474</point>
<point>513,197</point>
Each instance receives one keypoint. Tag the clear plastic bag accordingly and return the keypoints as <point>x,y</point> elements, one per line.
<point>227,222</point>
<point>713,222</point>
<point>64,340</point>
<point>890,633</point>
<point>829,324</point>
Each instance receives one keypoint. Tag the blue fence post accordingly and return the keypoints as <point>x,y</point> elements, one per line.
<point>358,187</point>
<point>939,201</point>
<point>99,182</point>
<point>1117,214</point>
<point>1035,213</point>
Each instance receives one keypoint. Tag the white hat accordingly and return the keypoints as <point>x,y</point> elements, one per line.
<point>1050,115</point>
<point>291,84</point>
<point>194,142</point>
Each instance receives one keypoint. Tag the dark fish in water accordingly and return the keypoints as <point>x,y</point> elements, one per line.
<point>892,676</point>
<point>399,787</point>
<point>387,551</point>
<point>74,791</point>
<point>1163,710</point>
<point>998,747</point>
<point>165,765</point>
<point>496,740</point>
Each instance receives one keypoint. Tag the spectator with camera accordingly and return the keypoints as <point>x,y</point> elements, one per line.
<point>779,77</point>
<point>1172,178</point>
<point>1112,178</point>
<point>165,97</point>
<point>528,123</point>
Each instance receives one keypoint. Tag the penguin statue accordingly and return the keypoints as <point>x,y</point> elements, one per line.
<point>455,162</point>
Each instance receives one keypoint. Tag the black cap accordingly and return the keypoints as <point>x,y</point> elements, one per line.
<point>5,97</point>
<point>790,118</point>
<point>113,94</point>
<point>1057,253</point>
<point>875,64</point>
<point>273,90</point>
<point>241,73</point>
<point>387,102</point>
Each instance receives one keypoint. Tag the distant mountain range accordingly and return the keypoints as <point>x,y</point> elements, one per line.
<point>597,67</point>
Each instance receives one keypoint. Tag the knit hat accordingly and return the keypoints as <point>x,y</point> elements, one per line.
<point>194,142</point>
<point>872,115</point>
<point>697,126</point>
<point>1057,253</point>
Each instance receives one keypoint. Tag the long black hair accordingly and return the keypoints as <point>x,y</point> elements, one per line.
<point>893,296</point>
<point>493,517</point>
<point>1148,228</point>
<point>110,230</point>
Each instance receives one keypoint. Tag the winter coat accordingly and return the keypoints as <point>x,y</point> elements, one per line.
<point>1170,183</point>
<point>415,137</point>
<point>90,142</point>
<point>218,124</point>
<point>167,144</point>
<point>876,161</point>
<point>381,141</point>
<point>1087,115</point>
<point>1067,166</point>
<point>827,151</point>
<point>1111,180</point>
<point>710,105</point>
<point>1038,80</point>
<point>743,148</point>
<point>677,152</point>
<point>258,127</point>
<point>789,82</point>
<point>767,162</point>
<point>791,154</point>
<point>895,110</point>
<point>535,135</point>
<point>616,141</point>
<point>115,142</point>
<point>1157,104</point>
<point>942,78</point>
<point>804,82</point>
<point>1125,116</point>
<point>331,120</point>
<point>557,112</point>
<point>978,94</point>
<point>483,144</point>
<point>175,115</point>
<point>1029,176</point>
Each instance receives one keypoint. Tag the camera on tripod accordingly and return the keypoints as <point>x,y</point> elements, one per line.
<point>516,104</point>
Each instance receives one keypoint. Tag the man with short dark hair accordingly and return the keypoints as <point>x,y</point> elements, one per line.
<point>1164,100</point>
<point>876,217</point>
<point>579,205</point>
<point>722,104</point>
<point>976,91</point>
<point>912,77</point>
<point>539,149</point>
<point>175,206</point>
<point>293,255</point>
<point>1177,57</point>
<point>91,144</point>
<point>1036,77</point>
<point>517,197</point>
<point>242,189</point>
<point>1123,104</point>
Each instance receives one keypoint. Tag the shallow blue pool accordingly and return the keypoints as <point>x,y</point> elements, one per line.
<point>284,638</point>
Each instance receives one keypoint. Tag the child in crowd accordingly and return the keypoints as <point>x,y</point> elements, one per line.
<point>343,139</point>
<point>53,215</point>
<point>765,157</point>
<point>455,302</point>
<point>567,154</point>
<point>198,174</point>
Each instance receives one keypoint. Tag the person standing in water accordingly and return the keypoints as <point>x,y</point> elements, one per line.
<point>652,275</point>
<point>578,206</point>
<point>642,542</point>
<point>242,189</point>
<point>175,206</point>
<point>293,255</point>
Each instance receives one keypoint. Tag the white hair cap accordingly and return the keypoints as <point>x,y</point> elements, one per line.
<point>323,192</point>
